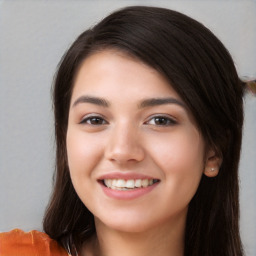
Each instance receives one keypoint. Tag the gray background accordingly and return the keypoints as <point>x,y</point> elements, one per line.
<point>33,37</point>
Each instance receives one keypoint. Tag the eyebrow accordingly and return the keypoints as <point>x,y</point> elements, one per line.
<point>160,101</point>
<point>93,100</point>
<point>143,104</point>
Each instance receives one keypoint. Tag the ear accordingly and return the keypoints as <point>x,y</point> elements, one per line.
<point>212,164</point>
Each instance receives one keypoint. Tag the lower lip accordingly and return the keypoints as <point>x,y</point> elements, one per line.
<point>127,194</point>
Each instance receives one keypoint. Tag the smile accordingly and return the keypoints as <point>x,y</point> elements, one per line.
<point>121,184</point>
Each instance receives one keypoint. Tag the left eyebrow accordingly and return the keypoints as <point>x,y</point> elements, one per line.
<point>160,101</point>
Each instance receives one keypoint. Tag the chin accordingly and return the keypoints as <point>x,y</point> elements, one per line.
<point>129,227</point>
<point>129,223</point>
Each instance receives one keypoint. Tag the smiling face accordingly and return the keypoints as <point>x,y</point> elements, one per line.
<point>135,154</point>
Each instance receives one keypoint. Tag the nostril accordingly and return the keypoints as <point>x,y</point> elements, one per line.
<point>124,155</point>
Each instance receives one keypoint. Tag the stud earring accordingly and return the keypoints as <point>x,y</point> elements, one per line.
<point>211,171</point>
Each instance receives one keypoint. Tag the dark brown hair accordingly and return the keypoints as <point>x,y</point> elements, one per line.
<point>201,70</point>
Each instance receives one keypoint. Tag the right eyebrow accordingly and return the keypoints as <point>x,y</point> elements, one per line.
<point>92,100</point>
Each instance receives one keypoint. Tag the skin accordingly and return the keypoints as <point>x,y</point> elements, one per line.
<point>122,135</point>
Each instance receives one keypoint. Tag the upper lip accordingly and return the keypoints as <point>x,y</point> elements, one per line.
<point>125,176</point>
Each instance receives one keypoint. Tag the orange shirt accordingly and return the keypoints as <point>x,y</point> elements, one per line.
<point>33,243</point>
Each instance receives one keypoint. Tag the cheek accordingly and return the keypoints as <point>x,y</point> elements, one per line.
<point>183,149</point>
<point>186,156</point>
<point>83,153</point>
<point>180,158</point>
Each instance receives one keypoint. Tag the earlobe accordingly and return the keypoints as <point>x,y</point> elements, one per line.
<point>212,164</point>
<point>211,171</point>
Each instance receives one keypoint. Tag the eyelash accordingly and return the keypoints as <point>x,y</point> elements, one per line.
<point>167,121</point>
<point>162,121</point>
<point>91,119</point>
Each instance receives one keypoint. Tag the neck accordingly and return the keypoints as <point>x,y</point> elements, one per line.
<point>164,240</point>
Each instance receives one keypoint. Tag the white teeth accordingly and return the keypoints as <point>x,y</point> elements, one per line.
<point>121,184</point>
<point>108,183</point>
<point>129,184</point>
<point>144,183</point>
<point>137,183</point>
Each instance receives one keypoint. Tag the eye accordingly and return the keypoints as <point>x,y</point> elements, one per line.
<point>161,121</point>
<point>94,120</point>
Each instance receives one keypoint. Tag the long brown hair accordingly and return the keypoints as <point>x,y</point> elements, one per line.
<point>201,70</point>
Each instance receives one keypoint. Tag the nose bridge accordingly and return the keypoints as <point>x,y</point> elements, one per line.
<point>125,144</point>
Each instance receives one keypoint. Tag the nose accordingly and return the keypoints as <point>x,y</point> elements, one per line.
<point>125,145</point>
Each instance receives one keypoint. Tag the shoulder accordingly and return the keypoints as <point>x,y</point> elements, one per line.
<point>18,242</point>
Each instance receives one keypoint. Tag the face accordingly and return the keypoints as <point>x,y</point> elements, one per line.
<point>134,152</point>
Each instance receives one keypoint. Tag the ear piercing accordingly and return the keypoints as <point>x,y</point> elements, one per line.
<point>212,169</point>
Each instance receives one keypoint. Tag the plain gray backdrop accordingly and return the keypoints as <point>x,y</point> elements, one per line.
<point>33,37</point>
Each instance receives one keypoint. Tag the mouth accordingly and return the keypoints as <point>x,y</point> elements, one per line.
<point>131,184</point>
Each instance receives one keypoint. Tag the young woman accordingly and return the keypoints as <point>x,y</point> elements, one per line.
<point>148,120</point>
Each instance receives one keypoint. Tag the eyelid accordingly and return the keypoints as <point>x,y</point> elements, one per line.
<point>93,115</point>
<point>171,119</point>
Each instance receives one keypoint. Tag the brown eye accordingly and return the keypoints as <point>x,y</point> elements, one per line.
<point>94,120</point>
<point>161,121</point>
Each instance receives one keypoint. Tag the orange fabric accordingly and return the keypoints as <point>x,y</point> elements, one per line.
<point>33,243</point>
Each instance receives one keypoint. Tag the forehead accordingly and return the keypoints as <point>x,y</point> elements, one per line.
<point>110,71</point>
